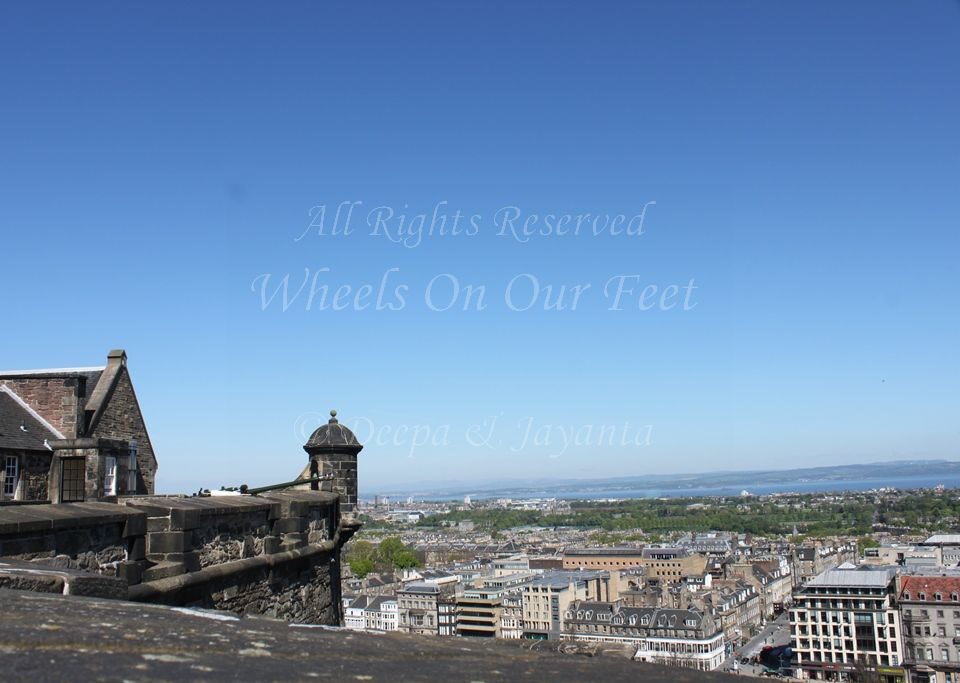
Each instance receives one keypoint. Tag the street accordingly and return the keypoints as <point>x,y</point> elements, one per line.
<point>776,632</point>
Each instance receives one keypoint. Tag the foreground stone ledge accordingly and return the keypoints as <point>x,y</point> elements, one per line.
<point>57,638</point>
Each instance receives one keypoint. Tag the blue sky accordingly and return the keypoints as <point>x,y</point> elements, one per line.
<point>798,162</point>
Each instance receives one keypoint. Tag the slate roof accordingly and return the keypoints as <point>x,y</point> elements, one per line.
<point>584,612</point>
<point>20,427</point>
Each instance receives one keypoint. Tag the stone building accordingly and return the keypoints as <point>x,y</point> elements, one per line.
<point>418,605</point>
<point>684,638</point>
<point>930,609</point>
<point>672,564</point>
<point>736,607</point>
<point>771,579</point>
<point>73,434</point>
<point>602,558</point>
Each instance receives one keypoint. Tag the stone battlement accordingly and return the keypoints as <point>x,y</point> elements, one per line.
<point>275,554</point>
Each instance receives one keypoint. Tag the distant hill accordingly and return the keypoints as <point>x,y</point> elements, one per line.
<point>895,472</point>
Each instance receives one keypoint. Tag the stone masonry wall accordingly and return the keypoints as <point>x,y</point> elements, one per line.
<point>344,469</point>
<point>95,537</point>
<point>55,398</point>
<point>276,554</point>
<point>122,419</point>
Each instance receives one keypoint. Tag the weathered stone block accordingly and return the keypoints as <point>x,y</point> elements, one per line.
<point>167,542</point>
<point>131,572</point>
<point>183,519</point>
<point>137,548</point>
<point>189,560</point>
<point>289,525</point>
<point>136,525</point>
<point>164,570</point>
<point>158,524</point>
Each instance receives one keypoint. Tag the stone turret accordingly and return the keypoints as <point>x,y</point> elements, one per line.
<point>333,450</point>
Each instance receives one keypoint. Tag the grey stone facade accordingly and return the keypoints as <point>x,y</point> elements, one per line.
<point>930,610</point>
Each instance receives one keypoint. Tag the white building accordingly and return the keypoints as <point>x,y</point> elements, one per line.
<point>677,637</point>
<point>368,613</point>
<point>845,621</point>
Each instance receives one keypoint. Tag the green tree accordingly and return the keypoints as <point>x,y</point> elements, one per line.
<point>361,566</point>
<point>392,553</point>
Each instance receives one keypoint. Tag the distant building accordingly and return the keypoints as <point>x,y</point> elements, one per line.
<point>479,612</point>
<point>446,615</point>
<point>671,563</point>
<point>602,558</point>
<point>418,606</point>
<point>904,555</point>
<point>372,614</point>
<point>771,579</point>
<point>949,545</point>
<point>812,559</point>
<point>547,597</point>
<point>74,434</point>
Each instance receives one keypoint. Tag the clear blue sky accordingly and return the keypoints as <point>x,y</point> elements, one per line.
<point>802,157</point>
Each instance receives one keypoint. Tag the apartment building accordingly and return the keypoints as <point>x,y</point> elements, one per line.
<point>845,622</point>
<point>547,598</point>
<point>771,578</point>
<point>930,610</point>
<point>736,606</point>
<point>685,638</point>
<point>479,612</point>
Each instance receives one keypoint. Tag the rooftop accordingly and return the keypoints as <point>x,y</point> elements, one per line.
<point>617,551</point>
<point>21,427</point>
<point>54,638</point>
<point>874,577</point>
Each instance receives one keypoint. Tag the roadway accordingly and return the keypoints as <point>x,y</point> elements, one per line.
<point>776,632</point>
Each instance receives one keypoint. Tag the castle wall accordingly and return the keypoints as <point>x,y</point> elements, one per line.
<point>276,554</point>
